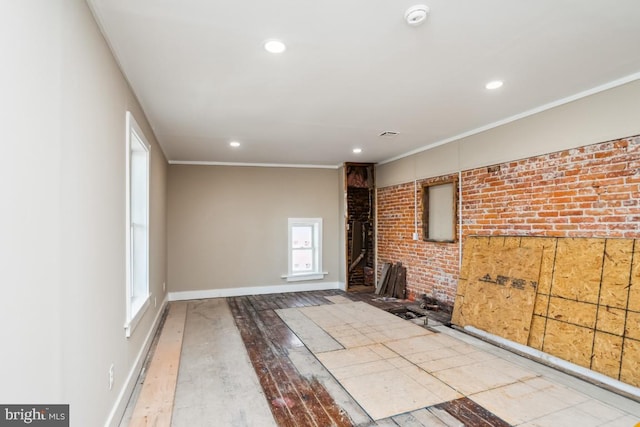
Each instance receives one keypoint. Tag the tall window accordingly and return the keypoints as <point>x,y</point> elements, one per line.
<point>305,249</point>
<point>137,224</point>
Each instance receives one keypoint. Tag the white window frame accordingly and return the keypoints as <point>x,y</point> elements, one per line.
<point>316,247</point>
<point>137,300</point>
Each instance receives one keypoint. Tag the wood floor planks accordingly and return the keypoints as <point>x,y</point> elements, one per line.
<point>294,400</point>
<point>296,389</point>
<point>471,414</point>
<point>297,400</point>
<point>155,403</point>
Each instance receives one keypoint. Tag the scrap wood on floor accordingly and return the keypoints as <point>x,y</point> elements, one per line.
<point>393,281</point>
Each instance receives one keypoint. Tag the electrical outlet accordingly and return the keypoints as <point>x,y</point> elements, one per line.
<point>164,286</point>
<point>111,369</point>
<point>415,236</point>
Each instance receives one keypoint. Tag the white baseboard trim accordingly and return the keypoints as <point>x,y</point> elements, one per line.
<point>252,290</point>
<point>342,286</point>
<point>120,405</point>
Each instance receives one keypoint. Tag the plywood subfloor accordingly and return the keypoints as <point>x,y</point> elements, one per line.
<point>397,373</point>
<point>295,398</point>
<point>288,386</point>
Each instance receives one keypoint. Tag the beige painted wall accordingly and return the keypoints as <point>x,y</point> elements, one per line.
<point>227,225</point>
<point>62,224</point>
<point>604,116</point>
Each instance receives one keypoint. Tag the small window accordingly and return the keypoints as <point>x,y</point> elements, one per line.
<point>305,249</point>
<point>137,257</point>
<point>439,214</point>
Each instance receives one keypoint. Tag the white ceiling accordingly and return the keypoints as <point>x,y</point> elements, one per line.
<point>353,69</point>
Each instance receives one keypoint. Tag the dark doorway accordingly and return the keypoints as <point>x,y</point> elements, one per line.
<point>360,226</point>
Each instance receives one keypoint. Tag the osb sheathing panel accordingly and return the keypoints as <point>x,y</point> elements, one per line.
<point>611,320</point>
<point>586,278</point>
<point>614,289</point>
<point>501,291</point>
<point>607,351</point>
<point>630,370</point>
<point>497,241</point>
<point>472,246</point>
<point>548,246</point>
<point>578,269</point>
<point>462,286</point>
<point>578,313</point>
<point>542,305</point>
<point>512,241</point>
<point>633,325</point>
<point>536,334</point>
<point>457,317</point>
<point>568,342</point>
<point>634,290</point>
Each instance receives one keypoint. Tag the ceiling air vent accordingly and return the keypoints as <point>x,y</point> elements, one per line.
<point>388,134</point>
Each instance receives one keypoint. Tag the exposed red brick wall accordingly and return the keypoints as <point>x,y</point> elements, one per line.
<point>592,191</point>
<point>432,268</point>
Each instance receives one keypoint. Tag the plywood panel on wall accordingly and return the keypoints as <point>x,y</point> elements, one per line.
<point>630,369</point>
<point>574,312</point>
<point>569,342</point>
<point>611,320</point>
<point>536,335</point>
<point>607,352</point>
<point>632,325</point>
<point>578,269</point>
<point>473,248</point>
<point>501,291</point>
<point>548,246</point>
<point>615,273</point>
<point>634,289</point>
<point>585,308</point>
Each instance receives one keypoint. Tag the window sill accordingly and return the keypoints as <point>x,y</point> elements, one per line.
<point>307,276</point>
<point>140,306</point>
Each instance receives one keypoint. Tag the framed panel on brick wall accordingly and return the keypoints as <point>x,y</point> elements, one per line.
<point>440,211</point>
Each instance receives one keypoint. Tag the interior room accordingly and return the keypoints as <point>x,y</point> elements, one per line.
<point>415,213</point>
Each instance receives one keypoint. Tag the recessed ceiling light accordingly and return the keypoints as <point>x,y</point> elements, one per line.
<point>275,46</point>
<point>357,150</point>
<point>234,144</point>
<point>494,84</point>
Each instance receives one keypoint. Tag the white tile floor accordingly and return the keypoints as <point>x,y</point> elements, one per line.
<point>391,366</point>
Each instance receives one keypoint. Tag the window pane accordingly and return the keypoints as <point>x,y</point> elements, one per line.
<point>441,209</point>
<point>439,216</point>
<point>138,226</point>
<point>302,260</point>
<point>301,237</point>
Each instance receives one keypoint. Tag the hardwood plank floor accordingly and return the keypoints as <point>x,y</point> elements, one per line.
<point>295,401</point>
<point>299,400</point>
<point>471,414</point>
<point>242,366</point>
